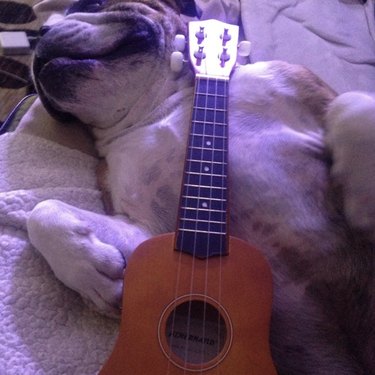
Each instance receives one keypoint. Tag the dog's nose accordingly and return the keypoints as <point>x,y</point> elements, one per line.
<point>44,30</point>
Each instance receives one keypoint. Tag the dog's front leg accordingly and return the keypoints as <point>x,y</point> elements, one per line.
<point>86,251</point>
<point>351,138</point>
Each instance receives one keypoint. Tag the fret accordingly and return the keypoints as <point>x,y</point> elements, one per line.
<point>208,124</point>
<point>210,204</point>
<point>201,231</point>
<point>202,162</point>
<point>214,108</point>
<point>212,149</point>
<point>204,179</point>
<point>203,210</point>
<point>202,214</point>
<point>204,192</point>
<point>196,135</point>
<point>207,173</point>
<point>201,91</point>
<point>205,199</point>
<point>208,95</point>
<point>220,188</point>
<point>189,220</point>
<point>202,226</point>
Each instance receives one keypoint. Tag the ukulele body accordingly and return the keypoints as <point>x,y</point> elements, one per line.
<point>186,315</point>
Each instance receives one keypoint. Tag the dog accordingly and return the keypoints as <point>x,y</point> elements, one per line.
<point>302,185</point>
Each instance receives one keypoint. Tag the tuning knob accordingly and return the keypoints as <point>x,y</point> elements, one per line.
<point>177,61</point>
<point>180,42</point>
<point>244,49</point>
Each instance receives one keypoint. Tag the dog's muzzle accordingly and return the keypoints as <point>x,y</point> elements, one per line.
<point>72,47</point>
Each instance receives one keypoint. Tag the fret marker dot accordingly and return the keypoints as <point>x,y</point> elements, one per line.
<point>208,143</point>
<point>206,169</point>
<point>204,204</point>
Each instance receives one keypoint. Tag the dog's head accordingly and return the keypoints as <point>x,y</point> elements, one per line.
<point>98,59</point>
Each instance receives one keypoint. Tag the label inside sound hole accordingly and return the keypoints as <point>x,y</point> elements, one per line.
<point>196,332</point>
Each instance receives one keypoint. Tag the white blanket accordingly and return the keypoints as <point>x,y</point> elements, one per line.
<point>44,327</point>
<point>333,38</point>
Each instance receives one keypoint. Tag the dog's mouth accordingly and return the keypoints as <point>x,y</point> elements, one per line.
<point>70,51</point>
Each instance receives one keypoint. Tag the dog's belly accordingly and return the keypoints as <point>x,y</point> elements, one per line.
<point>278,182</point>
<point>279,177</point>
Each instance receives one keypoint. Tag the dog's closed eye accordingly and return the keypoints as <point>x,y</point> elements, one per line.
<point>87,6</point>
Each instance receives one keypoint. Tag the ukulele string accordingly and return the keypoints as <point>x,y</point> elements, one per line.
<point>213,90</point>
<point>196,244</point>
<point>187,191</point>
<point>173,324</point>
<point>187,177</point>
<point>203,169</point>
<point>224,205</point>
<point>214,146</point>
<point>217,122</point>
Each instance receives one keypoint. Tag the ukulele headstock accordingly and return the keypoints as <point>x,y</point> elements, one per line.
<point>213,47</point>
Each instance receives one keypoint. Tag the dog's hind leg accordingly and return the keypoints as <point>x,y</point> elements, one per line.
<point>86,251</point>
<point>351,139</point>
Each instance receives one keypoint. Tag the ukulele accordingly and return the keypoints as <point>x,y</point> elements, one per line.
<point>198,300</point>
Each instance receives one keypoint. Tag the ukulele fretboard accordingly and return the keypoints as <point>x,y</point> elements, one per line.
<point>202,226</point>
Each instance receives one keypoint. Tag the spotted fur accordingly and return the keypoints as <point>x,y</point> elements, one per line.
<point>301,190</point>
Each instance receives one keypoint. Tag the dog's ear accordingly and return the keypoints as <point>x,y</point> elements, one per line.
<point>188,8</point>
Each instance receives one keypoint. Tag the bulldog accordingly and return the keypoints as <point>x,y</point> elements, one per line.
<point>302,181</point>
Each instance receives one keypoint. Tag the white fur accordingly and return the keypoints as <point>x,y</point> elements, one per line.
<point>280,186</point>
<point>351,136</point>
<point>76,252</point>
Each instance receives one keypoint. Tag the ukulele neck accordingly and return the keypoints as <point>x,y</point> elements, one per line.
<point>203,218</point>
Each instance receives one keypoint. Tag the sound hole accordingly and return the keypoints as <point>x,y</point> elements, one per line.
<point>196,332</point>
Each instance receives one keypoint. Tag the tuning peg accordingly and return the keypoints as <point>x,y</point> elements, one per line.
<point>180,42</point>
<point>177,61</point>
<point>244,49</point>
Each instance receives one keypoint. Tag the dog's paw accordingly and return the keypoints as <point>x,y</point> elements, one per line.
<point>74,243</point>
<point>351,138</point>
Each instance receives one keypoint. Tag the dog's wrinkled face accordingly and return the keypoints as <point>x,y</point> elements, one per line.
<point>97,61</point>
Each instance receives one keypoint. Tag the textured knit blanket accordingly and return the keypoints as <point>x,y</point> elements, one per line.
<point>45,328</point>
